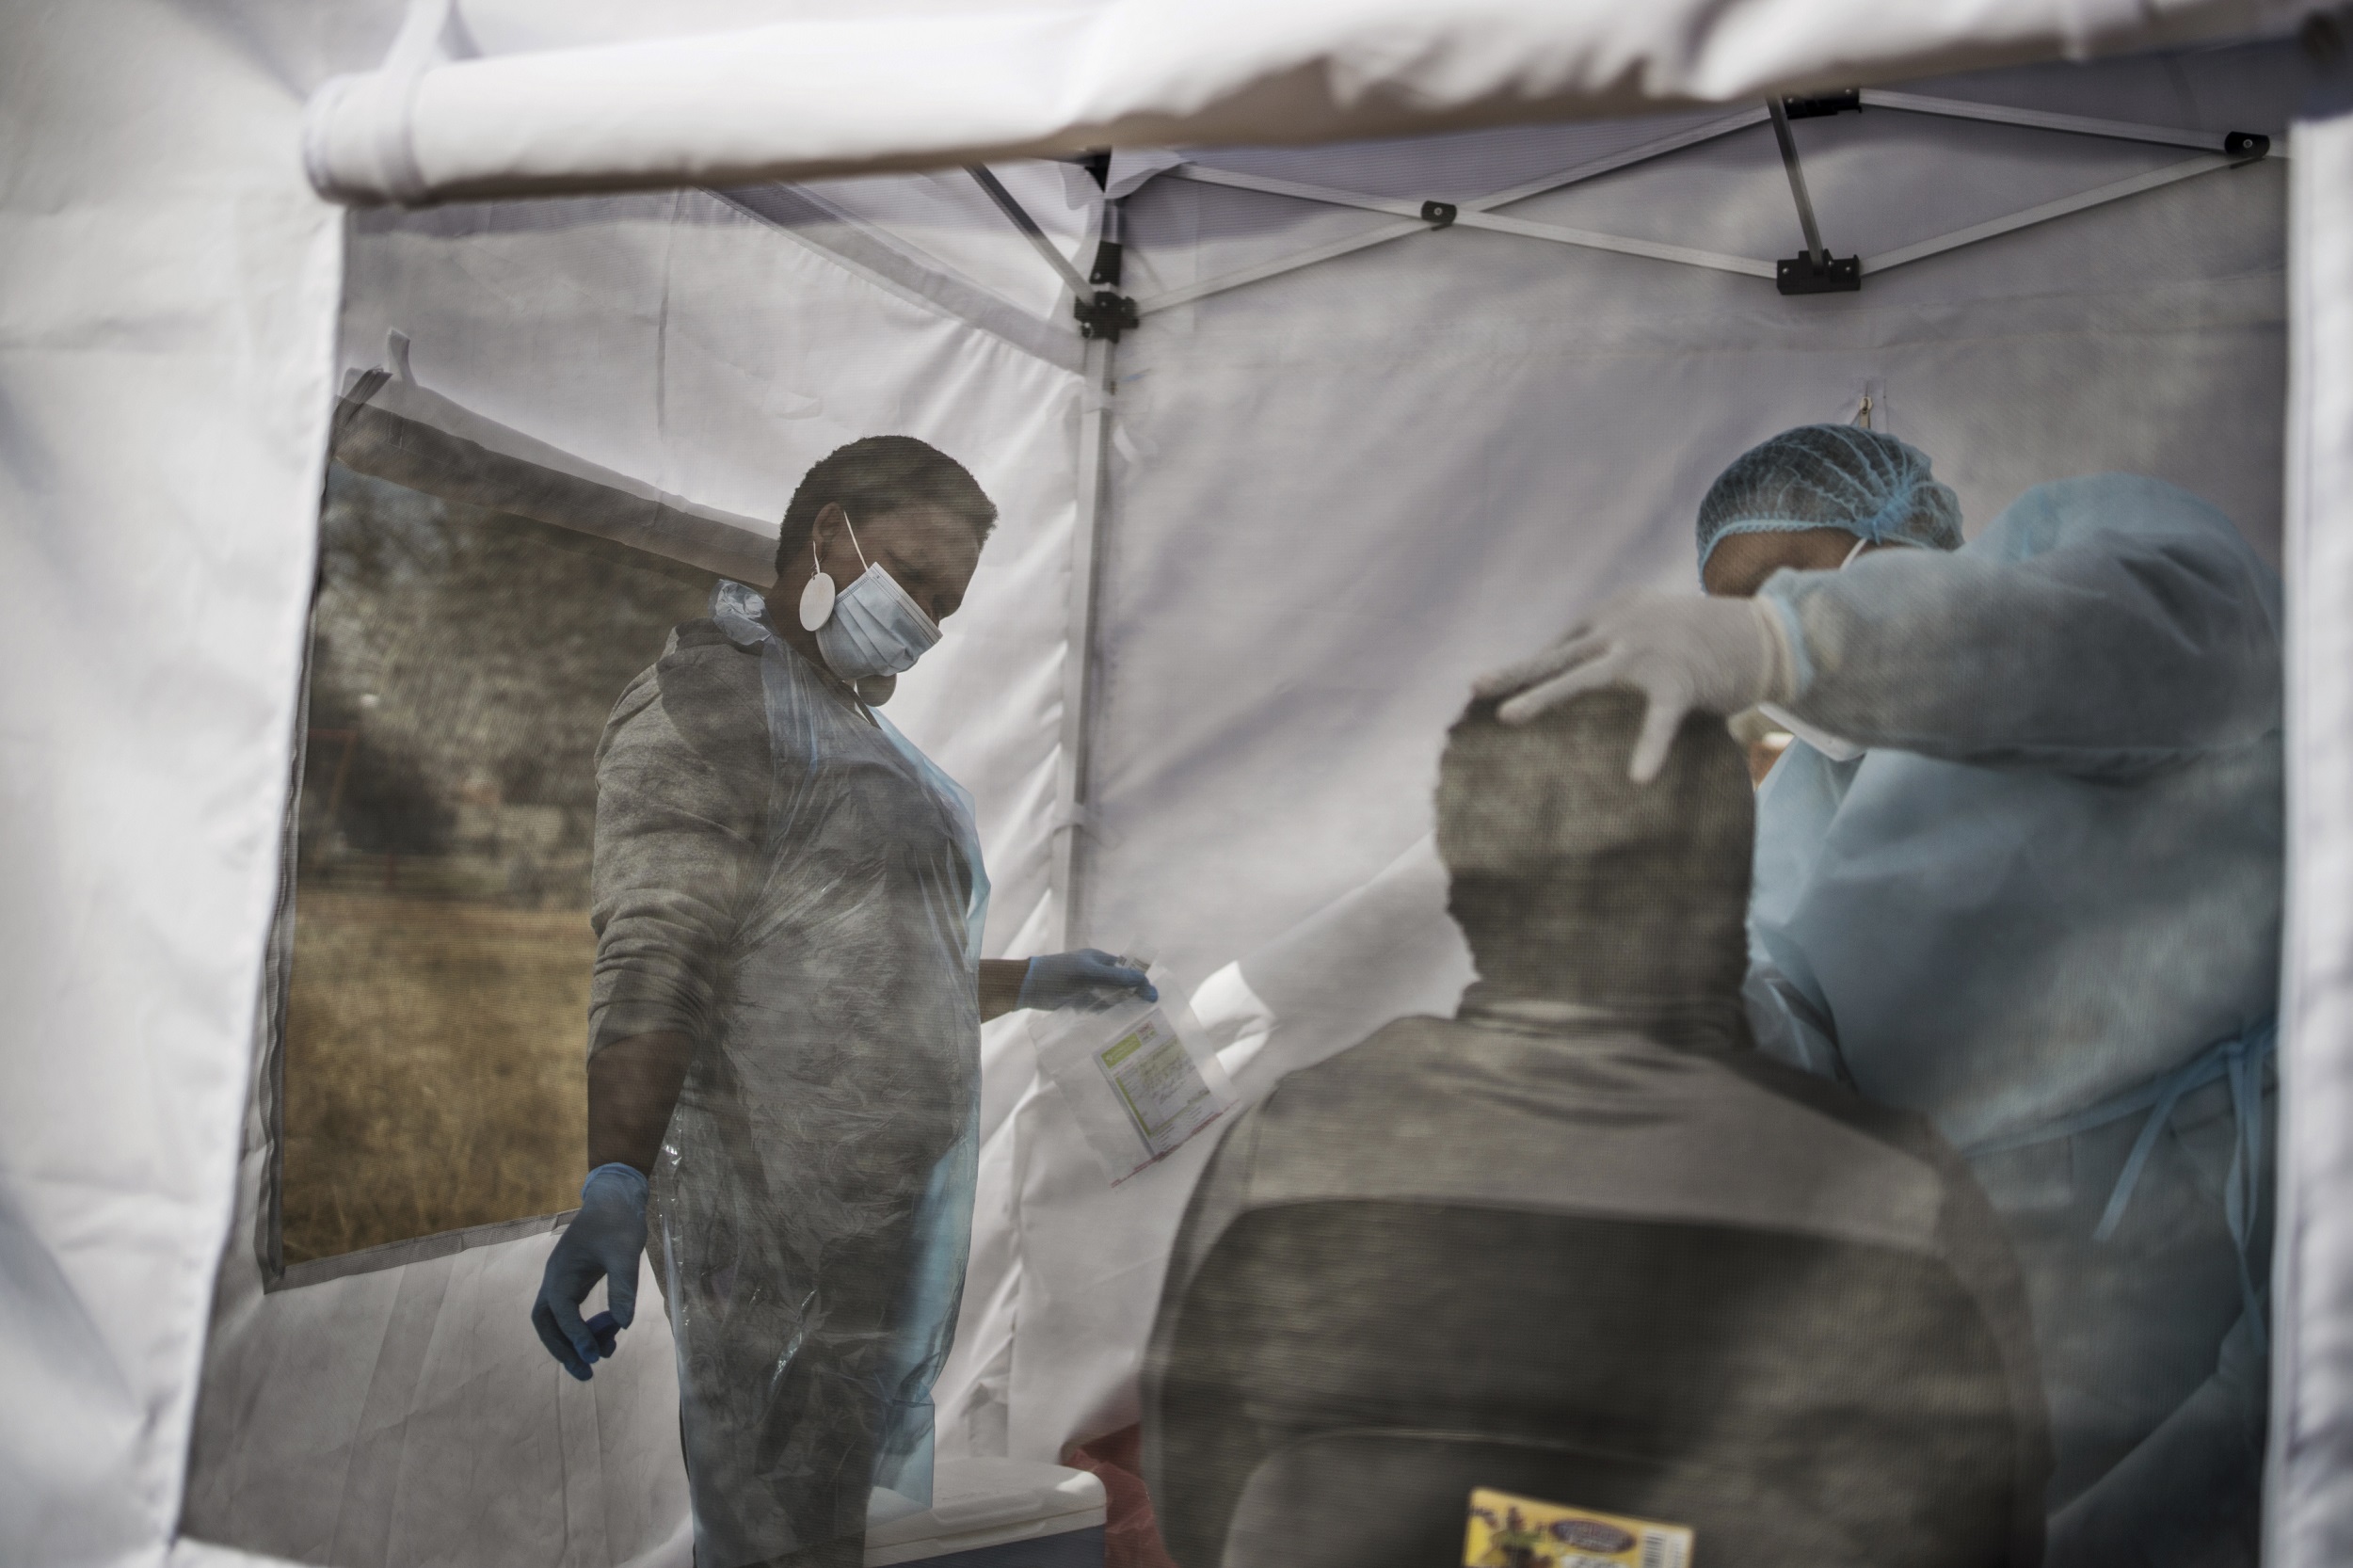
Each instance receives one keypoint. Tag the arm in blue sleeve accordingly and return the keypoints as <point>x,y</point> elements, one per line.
<point>2104,627</point>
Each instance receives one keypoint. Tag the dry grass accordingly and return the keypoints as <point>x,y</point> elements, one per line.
<point>434,1073</point>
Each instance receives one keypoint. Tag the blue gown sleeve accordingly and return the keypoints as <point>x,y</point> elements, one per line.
<point>2104,627</point>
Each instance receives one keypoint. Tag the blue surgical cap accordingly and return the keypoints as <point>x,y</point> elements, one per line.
<point>1832,476</point>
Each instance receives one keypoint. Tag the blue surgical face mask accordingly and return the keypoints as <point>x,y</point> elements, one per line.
<point>869,629</point>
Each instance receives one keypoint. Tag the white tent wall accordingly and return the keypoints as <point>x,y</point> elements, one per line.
<point>2309,1515</point>
<point>168,285</point>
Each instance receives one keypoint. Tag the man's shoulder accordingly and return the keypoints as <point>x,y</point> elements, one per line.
<point>703,693</point>
<point>1396,1054</point>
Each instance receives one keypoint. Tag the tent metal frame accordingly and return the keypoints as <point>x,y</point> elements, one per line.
<point>2218,150</point>
<point>1081,688</point>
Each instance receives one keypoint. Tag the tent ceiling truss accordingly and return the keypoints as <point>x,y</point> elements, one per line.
<point>1101,312</point>
<point>1814,270</point>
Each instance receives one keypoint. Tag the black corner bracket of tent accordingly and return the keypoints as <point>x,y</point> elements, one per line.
<point>2248,145</point>
<point>1804,273</point>
<point>1102,313</point>
<point>1109,259</point>
<point>1105,315</point>
<point>1822,105</point>
<point>1107,312</point>
<point>1439,215</point>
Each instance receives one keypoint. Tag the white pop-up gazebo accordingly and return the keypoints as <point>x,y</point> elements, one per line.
<point>1428,334</point>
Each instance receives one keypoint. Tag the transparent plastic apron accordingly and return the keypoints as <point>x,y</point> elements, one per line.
<point>813,1204</point>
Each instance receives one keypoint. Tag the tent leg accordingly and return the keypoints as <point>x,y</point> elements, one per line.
<point>1079,660</point>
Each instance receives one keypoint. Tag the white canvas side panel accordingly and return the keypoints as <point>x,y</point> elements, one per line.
<point>2310,1481</point>
<point>1428,457</point>
<point>167,289</point>
<point>797,99</point>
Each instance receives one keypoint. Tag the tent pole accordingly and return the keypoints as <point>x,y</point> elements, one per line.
<point>1079,690</point>
<point>2170,174</point>
<point>1814,246</point>
<point>2237,143</point>
<point>1029,227</point>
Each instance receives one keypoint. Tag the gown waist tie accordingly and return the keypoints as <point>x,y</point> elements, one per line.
<point>2238,1061</point>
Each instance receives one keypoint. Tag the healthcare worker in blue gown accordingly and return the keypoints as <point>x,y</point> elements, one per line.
<point>2020,872</point>
<point>784,1023</point>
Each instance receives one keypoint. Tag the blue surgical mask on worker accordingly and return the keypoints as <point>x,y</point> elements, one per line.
<point>871,628</point>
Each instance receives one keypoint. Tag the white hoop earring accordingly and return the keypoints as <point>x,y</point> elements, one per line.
<point>818,596</point>
<point>817,599</point>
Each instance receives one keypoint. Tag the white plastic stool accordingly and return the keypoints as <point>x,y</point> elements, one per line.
<point>992,1513</point>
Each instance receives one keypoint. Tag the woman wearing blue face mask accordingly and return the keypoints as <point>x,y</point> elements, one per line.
<point>784,1023</point>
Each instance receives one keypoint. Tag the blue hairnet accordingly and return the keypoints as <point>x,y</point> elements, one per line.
<point>1832,476</point>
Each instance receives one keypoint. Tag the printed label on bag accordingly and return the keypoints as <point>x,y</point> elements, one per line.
<point>1521,1532</point>
<point>1163,1092</point>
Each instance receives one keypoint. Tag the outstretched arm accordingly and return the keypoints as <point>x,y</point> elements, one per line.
<point>2102,625</point>
<point>1085,978</point>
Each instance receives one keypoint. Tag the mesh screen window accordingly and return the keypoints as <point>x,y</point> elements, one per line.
<point>462,664</point>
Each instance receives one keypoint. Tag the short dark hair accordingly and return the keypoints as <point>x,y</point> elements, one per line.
<point>883,474</point>
<point>1570,880</point>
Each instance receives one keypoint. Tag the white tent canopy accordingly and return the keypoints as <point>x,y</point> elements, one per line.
<point>1376,451</point>
<point>491,98</point>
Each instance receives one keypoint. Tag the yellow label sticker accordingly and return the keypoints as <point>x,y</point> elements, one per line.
<point>1521,1532</point>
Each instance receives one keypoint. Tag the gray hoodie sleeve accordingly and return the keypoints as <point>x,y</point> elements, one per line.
<point>678,833</point>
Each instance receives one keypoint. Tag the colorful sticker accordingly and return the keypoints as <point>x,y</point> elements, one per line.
<point>1520,1532</point>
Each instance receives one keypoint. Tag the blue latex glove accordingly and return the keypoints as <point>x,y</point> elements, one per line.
<point>1088,978</point>
<point>603,1243</point>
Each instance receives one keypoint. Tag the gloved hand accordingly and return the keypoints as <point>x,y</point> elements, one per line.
<point>603,1243</point>
<point>1716,655</point>
<point>1088,978</point>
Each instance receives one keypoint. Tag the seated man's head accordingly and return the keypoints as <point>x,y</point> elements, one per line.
<point>1573,884</point>
<point>1813,498</point>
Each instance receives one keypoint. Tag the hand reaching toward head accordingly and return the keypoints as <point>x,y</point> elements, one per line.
<point>1681,652</point>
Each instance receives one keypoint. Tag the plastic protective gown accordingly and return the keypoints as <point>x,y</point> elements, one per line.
<point>2043,907</point>
<point>809,909</point>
